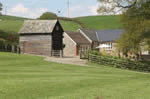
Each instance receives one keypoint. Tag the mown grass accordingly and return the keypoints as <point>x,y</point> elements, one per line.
<point>101,22</point>
<point>30,77</point>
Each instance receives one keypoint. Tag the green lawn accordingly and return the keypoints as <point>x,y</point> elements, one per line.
<point>29,77</point>
<point>101,22</point>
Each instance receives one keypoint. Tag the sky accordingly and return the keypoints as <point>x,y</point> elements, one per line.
<point>35,8</point>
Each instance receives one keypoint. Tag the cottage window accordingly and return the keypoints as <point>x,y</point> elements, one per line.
<point>110,46</point>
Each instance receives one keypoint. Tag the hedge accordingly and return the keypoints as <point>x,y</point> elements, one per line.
<point>119,63</point>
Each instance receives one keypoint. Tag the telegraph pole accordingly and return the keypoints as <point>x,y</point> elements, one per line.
<point>6,10</point>
<point>68,7</point>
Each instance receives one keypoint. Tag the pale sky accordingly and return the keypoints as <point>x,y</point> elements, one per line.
<point>34,8</point>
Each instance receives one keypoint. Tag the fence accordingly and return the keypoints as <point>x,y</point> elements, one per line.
<point>119,63</point>
<point>9,48</point>
<point>57,53</point>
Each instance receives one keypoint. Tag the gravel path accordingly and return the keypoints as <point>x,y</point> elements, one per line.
<point>68,60</point>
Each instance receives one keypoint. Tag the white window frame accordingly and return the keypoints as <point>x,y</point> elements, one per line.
<point>109,48</point>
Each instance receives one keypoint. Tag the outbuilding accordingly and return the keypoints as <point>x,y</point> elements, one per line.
<point>41,37</point>
<point>75,42</point>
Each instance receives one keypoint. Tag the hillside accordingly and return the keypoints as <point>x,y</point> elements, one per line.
<point>12,18</point>
<point>101,22</point>
<point>13,24</point>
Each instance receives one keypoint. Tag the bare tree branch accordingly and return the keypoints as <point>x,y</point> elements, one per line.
<point>110,6</point>
<point>1,7</point>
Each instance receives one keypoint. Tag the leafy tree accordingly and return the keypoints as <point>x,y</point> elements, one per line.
<point>48,15</point>
<point>11,38</point>
<point>136,23</point>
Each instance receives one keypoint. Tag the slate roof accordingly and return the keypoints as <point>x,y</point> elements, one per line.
<point>90,33</point>
<point>38,26</point>
<point>109,35</point>
<point>77,37</point>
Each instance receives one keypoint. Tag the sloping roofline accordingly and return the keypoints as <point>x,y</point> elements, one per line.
<point>70,38</point>
<point>85,35</point>
<point>38,26</point>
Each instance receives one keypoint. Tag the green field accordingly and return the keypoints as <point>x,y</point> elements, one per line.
<point>12,18</point>
<point>29,77</point>
<point>13,24</point>
<point>101,22</point>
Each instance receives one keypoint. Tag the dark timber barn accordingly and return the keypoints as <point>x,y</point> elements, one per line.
<point>41,37</point>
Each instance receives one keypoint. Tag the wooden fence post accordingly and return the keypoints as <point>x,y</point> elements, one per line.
<point>18,49</point>
<point>13,48</point>
<point>5,47</point>
<point>60,53</point>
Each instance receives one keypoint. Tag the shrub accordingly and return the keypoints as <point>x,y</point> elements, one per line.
<point>95,53</point>
<point>104,53</point>
<point>48,15</point>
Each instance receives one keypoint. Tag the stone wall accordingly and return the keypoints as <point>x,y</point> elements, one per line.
<point>70,46</point>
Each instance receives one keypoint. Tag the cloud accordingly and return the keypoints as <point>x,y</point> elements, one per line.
<point>89,10</point>
<point>109,6</point>
<point>82,10</point>
<point>20,10</point>
<point>94,8</point>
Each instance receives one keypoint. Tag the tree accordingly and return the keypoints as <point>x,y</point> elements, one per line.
<point>48,15</point>
<point>114,6</point>
<point>136,23</point>
<point>1,8</point>
<point>10,37</point>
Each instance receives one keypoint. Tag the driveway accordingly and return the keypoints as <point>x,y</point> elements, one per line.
<point>68,60</point>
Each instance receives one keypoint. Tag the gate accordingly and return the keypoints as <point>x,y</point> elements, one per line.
<point>57,53</point>
<point>84,54</point>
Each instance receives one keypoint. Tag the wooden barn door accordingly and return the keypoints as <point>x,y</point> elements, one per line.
<point>57,41</point>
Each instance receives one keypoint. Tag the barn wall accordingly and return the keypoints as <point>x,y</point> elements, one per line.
<point>36,44</point>
<point>70,47</point>
<point>57,37</point>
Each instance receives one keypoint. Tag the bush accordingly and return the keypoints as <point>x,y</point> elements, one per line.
<point>48,15</point>
<point>95,53</point>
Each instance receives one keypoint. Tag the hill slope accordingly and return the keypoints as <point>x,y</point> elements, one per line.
<point>12,18</point>
<point>101,22</point>
<point>13,24</point>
